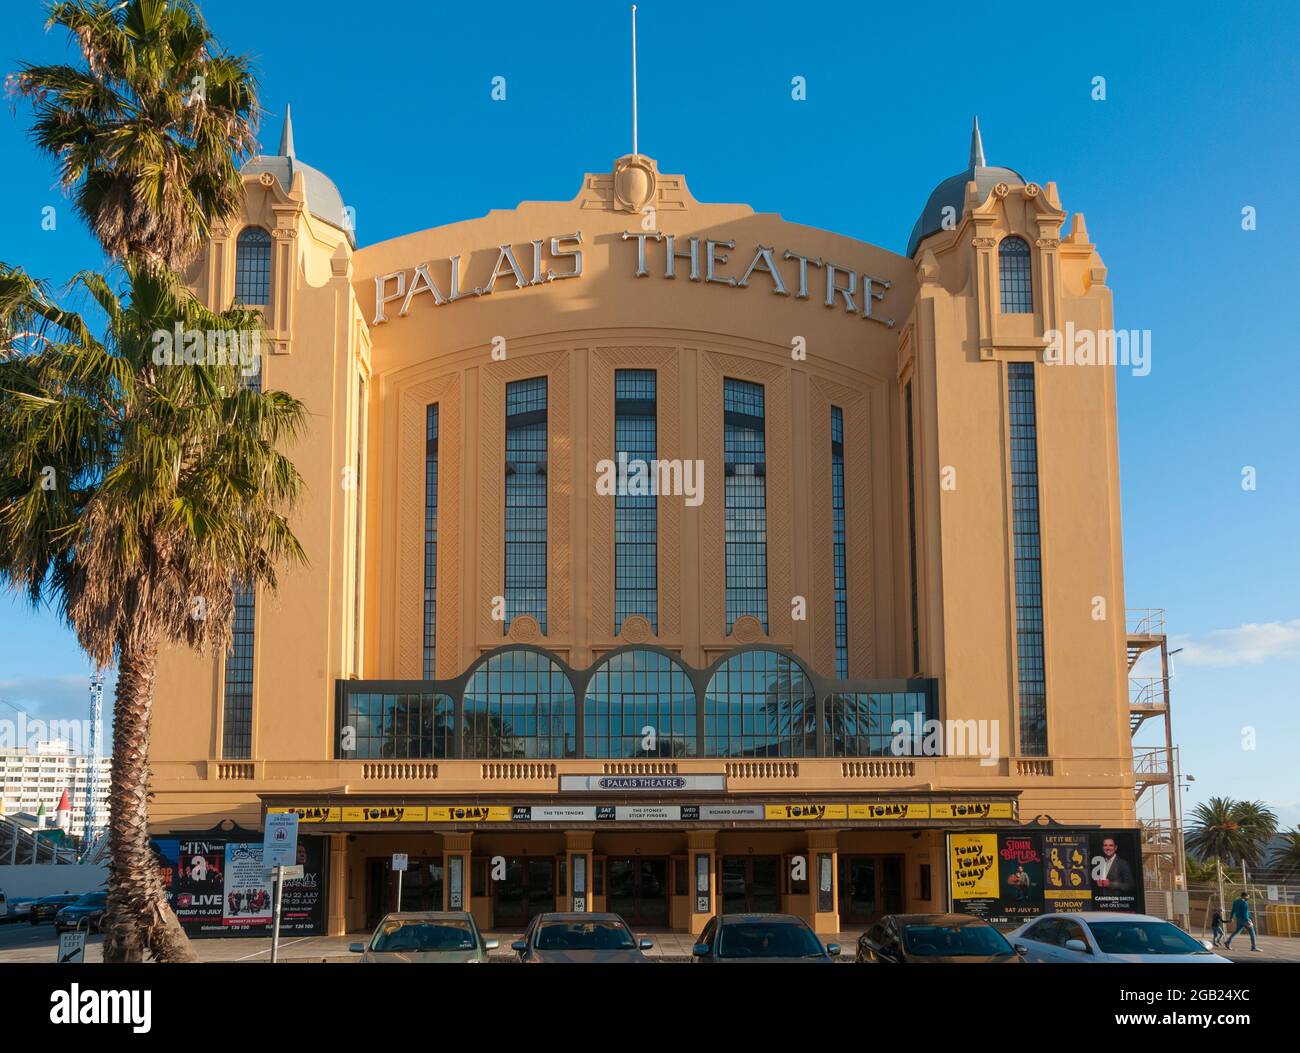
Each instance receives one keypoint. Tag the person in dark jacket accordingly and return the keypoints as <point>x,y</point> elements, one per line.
<point>1241,918</point>
<point>1216,926</point>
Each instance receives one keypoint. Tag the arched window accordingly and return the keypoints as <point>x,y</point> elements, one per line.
<point>631,691</point>
<point>405,725</point>
<point>760,704</point>
<point>519,704</point>
<point>862,723</point>
<point>253,267</point>
<point>1014,276</point>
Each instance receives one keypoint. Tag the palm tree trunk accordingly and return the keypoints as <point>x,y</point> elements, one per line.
<point>140,916</point>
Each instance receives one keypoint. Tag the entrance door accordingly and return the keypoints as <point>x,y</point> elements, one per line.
<point>637,889</point>
<point>870,886</point>
<point>421,887</point>
<point>527,889</point>
<point>751,884</point>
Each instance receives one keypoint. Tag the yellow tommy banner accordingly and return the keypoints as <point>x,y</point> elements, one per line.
<point>474,813</point>
<point>974,860</point>
<point>386,813</point>
<point>890,810</point>
<point>320,814</point>
<point>806,811</point>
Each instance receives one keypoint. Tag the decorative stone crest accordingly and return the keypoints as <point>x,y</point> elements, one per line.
<point>1032,190</point>
<point>266,179</point>
<point>524,629</point>
<point>747,629</point>
<point>636,629</point>
<point>634,182</point>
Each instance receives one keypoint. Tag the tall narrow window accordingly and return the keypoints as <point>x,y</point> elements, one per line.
<point>839,547</point>
<point>358,512</point>
<point>635,505</point>
<point>237,718</point>
<point>1029,581</point>
<point>525,577</point>
<point>237,707</point>
<point>745,457</point>
<point>430,540</point>
<point>253,267</point>
<point>1014,276</point>
<point>911,530</point>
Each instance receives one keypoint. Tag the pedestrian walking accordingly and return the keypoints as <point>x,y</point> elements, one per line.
<point>1241,918</point>
<point>1216,926</point>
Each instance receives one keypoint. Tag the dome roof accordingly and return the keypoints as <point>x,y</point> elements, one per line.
<point>952,191</point>
<point>323,198</point>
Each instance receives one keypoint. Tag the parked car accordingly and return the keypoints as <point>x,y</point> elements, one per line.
<point>597,938</point>
<point>734,938</point>
<point>961,938</point>
<point>427,936</point>
<point>1101,936</point>
<point>4,906</point>
<point>20,909</point>
<point>87,913</point>
<point>46,907</point>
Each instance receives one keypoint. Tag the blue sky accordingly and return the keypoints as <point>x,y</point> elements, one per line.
<point>1199,120</point>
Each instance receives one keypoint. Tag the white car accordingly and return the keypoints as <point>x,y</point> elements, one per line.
<point>1103,936</point>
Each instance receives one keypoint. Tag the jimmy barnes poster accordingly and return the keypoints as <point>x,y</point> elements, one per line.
<point>1007,876</point>
<point>194,868</point>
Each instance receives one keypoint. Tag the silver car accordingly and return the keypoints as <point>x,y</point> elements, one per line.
<point>1103,936</point>
<point>429,936</point>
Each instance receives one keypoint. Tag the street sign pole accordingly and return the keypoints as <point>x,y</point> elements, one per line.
<point>399,889</point>
<point>275,913</point>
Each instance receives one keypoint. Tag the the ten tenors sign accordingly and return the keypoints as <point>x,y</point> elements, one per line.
<point>698,260</point>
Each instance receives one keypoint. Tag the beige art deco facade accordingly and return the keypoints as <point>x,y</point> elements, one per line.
<point>905,511</point>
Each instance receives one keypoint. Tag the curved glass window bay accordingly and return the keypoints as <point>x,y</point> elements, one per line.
<point>519,704</point>
<point>760,704</point>
<point>640,704</point>
<point>524,703</point>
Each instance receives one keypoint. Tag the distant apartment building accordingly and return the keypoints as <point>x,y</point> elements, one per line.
<point>38,775</point>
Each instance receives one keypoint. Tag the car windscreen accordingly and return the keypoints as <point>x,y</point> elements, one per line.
<point>584,936</point>
<point>1143,937</point>
<point>760,939</point>
<point>934,941</point>
<point>424,936</point>
<point>93,899</point>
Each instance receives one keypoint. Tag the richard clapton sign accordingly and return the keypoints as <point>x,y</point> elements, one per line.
<point>642,783</point>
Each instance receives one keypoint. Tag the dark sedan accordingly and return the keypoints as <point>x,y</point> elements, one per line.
<point>733,939</point>
<point>596,938</point>
<point>899,938</point>
<point>87,913</point>
<point>46,907</point>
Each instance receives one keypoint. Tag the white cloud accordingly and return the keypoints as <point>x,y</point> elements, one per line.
<point>1245,645</point>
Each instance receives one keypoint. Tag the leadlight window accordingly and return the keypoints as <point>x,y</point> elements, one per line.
<point>745,467</point>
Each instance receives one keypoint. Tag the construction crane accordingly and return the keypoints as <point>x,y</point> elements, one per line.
<point>92,756</point>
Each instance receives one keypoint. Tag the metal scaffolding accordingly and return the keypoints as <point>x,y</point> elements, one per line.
<point>1156,773</point>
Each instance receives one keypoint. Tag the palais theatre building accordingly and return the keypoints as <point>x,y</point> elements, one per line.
<point>636,525</point>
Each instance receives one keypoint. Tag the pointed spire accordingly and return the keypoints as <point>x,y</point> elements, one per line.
<point>976,146</point>
<point>286,136</point>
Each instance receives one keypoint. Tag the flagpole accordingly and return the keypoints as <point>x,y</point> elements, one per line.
<point>635,151</point>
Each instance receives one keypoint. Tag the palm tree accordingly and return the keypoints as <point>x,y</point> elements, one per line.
<point>147,133</point>
<point>1260,823</point>
<point>1287,855</point>
<point>134,494</point>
